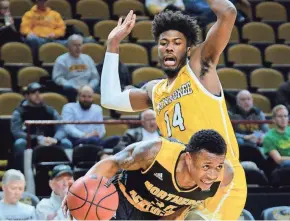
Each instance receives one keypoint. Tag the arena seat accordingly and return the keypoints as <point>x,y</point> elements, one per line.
<point>278,54</point>
<point>258,32</point>
<point>243,54</point>
<point>146,74</point>
<point>140,54</point>
<point>28,75</point>
<point>256,177</point>
<point>142,32</point>
<point>95,51</point>
<point>97,100</point>
<point>235,35</point>
<point>80,25</point>
<point>8,102</point>
<point>280,177</point>
<point>122,8</point>
<point>232,79</point>
<point>54,100</point>
<point>246,215</point>
<point>92,9</point>
<point>271,11</point>
<point>283,32</point>
<point>115,129</point>
<point>19,7</point>
<point>266,78</point>
<point>5,79</point>
<point>262,103</point>
<point>16,52</point>
<point>49,52</point>
<point>154,55</point>
<point>276,213</point>
<point>63,7</point>
<point>102,30</point>
<point>85,156</point>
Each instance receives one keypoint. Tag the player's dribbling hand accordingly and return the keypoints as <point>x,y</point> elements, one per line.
<point>123,28</point>
<point>64,205</point>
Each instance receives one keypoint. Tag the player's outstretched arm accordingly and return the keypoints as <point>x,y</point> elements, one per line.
<point>204,58</point>
<point>112,96</point>
<point>134,157</point>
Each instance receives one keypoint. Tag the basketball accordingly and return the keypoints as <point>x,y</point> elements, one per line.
<point>92,198</point>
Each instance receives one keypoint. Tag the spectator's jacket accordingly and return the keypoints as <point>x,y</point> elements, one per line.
<point>42,23</point>
<point>245,129</point>
<point>28,112</point>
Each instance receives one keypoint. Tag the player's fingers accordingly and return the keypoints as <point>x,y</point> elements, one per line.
<point>120,21</point>
<point>128,17</point>
<point>64,211</point>
<point>70,216</point>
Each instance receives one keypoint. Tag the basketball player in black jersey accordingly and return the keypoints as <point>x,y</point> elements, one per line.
<point>164,179</point>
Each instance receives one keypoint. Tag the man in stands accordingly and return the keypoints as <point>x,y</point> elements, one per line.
<point>60,179</point>
<point>248,134</point>
<point>34,109</point>
<point>148,131</point>
<point>74,69</point>
<point>13,187</point>
<point>277,140</point>
<point>41,25</point>
<point>85,110</point>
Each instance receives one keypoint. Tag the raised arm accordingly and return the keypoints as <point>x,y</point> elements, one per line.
<point>134,157</point>
<point>204,58</point>
<point>112,96</point>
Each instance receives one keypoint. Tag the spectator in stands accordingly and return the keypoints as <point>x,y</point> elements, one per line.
<point>156,6</point>
<point>60,180</point>
<point>250,133</point>
<point>85,110</point>
<point>41,25</point>
<point>276,213</point>
<point>13,185</point>
<point>148,131</point>
<point>8,32</point>
<point>34,109</point>
<point>277,140</point>
<point>201,9</point>
<point>283,93</point>
<point>74,69</point>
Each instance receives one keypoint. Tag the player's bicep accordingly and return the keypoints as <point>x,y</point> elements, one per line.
<point>218,37</point>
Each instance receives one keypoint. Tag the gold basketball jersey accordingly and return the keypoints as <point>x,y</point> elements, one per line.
<point>185,107</point>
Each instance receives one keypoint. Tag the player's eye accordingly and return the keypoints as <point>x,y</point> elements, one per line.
<point>220,167</point>
<point>205,167</point>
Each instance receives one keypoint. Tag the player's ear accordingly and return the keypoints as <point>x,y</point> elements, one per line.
<point>188,160</point>
<point>188,51</point>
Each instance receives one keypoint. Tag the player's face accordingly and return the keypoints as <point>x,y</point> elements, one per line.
<point>13,191</point>
<point>281,118</point>
<point>75,48</point>
<point>60,184</point>
<point>205,168</point>
<point>86,99</point>
<point>34,98</point>
<point>172,52</point>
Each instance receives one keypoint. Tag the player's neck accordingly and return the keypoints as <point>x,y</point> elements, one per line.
<point>171,80</point>
<point>183,177</point>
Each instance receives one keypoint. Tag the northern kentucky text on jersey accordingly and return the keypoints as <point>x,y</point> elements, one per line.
<point>158,207</point>
<point>183,90</point>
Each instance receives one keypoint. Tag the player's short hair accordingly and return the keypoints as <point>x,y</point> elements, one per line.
<point>176,20</point>
<point>208,140</point>
<point>12,175</point>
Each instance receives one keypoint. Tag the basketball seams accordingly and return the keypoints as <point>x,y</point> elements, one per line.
<point>91,203</point>
<point>105,198</point>
<point>85,200</point>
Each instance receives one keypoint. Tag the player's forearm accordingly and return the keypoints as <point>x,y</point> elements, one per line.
<point>222,8</point>
<point>107,168</point>
<point>113,46</point>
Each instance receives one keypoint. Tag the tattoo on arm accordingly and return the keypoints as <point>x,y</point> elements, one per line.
<point>137,156</point>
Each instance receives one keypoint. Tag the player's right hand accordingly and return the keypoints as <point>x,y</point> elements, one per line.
<point>64,205</point>
<point>123,28</point>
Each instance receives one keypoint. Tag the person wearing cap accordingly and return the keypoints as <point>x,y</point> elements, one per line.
<point>13,185</point>
<point>32,108</point>
<point>60,180</point>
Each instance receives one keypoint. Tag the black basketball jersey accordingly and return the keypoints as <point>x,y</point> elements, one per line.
<point>156,190</point>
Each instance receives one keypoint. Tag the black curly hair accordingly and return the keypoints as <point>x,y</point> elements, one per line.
<point>176,20</point>
<point>208,140</point>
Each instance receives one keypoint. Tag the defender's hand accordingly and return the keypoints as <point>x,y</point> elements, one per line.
<point>123,28</point>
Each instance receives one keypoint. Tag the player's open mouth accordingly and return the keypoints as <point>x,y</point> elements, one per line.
<point>206,182</point>
<point>169,61</point>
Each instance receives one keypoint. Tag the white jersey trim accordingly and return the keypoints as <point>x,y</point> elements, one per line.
<point>196,80</point>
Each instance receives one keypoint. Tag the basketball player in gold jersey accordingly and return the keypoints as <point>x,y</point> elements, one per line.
<point>161,179</point>
<point>191,98</point>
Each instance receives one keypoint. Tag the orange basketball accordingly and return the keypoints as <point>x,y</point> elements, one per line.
<point>92,198</point>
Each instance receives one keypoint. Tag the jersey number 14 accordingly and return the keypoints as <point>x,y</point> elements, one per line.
<point>177,119</point>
